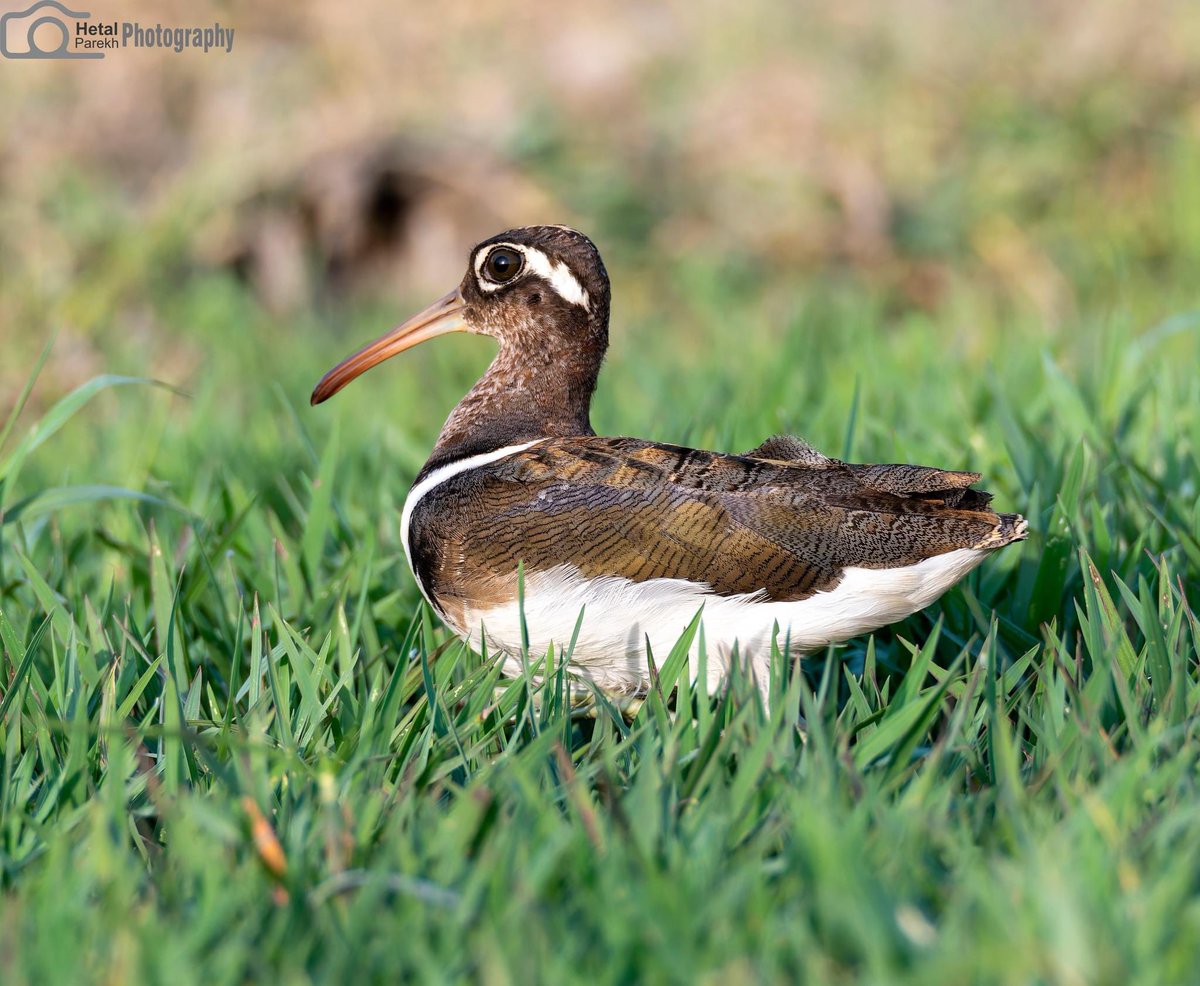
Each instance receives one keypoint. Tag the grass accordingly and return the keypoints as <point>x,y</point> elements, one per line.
<point>234,745</point>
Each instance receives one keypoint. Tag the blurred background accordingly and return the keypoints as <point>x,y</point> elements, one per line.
<point>809,210</point>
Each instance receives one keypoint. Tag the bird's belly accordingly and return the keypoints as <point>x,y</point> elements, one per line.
<point>612,619</point>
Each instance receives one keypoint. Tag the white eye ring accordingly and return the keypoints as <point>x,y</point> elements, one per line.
<point>502,264</point>
<point>487,279</point>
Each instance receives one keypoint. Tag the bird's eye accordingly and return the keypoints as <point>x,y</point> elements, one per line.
<point>503,264</point>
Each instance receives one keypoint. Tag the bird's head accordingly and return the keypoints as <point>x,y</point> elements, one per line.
<point>539,290</point>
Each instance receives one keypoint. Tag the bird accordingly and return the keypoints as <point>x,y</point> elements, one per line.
<point>526,529</point>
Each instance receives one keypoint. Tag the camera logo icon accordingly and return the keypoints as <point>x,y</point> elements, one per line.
<point>41,31</point>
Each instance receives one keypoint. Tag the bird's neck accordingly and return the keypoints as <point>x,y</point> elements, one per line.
<point>523,396</point>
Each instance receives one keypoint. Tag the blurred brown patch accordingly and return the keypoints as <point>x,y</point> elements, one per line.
<point>357,148</point>
<point>365,217</point>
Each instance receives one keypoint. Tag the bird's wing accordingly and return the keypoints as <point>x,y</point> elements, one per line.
<point>896,479</point>
<point>785,528</point>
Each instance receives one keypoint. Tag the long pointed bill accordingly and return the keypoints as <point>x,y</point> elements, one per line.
<point>444,315</point>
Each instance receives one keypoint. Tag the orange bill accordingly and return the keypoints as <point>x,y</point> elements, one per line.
<point>443,316</point>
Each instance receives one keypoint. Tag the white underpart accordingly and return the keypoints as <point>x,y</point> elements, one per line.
<point>436,478</point>
<point>619,616</point>
<point>558,275</point>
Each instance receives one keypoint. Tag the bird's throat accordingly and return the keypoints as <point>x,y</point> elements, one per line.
<point>523,396</point>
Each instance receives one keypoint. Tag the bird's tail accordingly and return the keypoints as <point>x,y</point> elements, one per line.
<point>1012,527</point>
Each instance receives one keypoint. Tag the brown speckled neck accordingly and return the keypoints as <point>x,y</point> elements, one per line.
<point>523,396</point>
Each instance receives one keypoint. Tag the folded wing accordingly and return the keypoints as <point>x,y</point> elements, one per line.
<point>783,520</point>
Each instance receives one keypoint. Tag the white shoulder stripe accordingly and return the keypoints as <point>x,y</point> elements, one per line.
<point>439,476</point>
